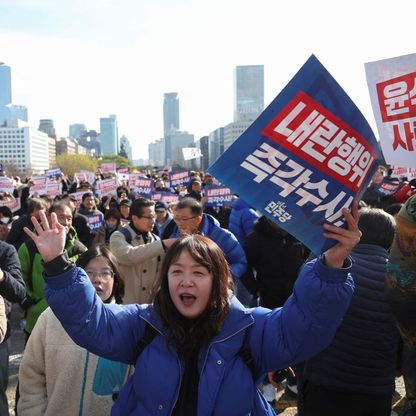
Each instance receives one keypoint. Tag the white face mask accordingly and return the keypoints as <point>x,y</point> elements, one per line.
<point>5,220</point>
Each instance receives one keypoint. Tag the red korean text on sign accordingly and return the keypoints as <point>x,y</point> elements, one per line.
<point>397,97</point>
<point>317,136</point>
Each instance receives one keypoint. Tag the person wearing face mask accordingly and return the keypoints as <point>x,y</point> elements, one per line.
<point>6,218</point>
<point>193,365</point>
<point>57,377</point>
<point>111,224</point>
<point>32,268</point>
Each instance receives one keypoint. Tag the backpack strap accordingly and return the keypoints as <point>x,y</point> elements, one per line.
<point>149,335</point>
<point>126,234</point>
<point>246,356</point>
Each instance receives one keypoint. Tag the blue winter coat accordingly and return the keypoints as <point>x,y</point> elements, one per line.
<point>227,242</point>
<point>242,218</point>
<point>362,356</point>
<point>276,339</point>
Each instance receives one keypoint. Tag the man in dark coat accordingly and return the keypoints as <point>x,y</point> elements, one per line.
<point>12,288</point>
<point>355,374</point>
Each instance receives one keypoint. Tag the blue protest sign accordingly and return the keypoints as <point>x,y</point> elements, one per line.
<point>217,196</point>
<point>94,222</point>
<point>179,178</point>
<point>52,173</point>
<point>168,197</point>
<point>308,155</point>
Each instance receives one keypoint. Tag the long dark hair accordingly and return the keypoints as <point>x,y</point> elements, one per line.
<point>189,334</point>
<point>102,251</point>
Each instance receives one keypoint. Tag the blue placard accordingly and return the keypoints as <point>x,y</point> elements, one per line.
<point>217,196</point>
<point>308,155</point>
<point>179,178</point>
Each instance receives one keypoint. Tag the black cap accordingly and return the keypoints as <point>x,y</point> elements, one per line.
<point>125,202</point>
<point>161,206</point>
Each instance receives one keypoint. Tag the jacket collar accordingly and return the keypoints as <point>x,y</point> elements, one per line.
<point>236,320</point>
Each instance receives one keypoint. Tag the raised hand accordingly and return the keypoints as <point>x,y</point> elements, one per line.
<point>50,238</point>
<point>347,238</point>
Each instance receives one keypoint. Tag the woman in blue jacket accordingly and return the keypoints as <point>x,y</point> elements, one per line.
<point>193,365</point>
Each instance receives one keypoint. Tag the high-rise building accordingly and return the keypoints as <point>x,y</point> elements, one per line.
<point>52,151</point>
<point>233,131</point>
<point>174,143</point>
<point>5,85</point>
<point>170,113</point>
<point>248,92</point>
<point>216,144</point>
<point>77,130</point>
<point>109,135</point>
<point>157,152</point>
<point>202,163</point>
<point>9,111</point>
<point>125,142</point>
<point>25,147</point>
<point>46,126</point>
<point>69,145</point>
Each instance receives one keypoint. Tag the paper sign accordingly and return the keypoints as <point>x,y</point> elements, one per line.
<point>217,196</point>
<point>392,86</point>
<point>307,156</point>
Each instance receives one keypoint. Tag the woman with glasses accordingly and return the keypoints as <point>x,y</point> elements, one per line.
<point>194,364</point>
<point>57,377</point>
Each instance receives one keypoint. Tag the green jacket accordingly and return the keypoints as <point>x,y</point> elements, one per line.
<point>32,269</point>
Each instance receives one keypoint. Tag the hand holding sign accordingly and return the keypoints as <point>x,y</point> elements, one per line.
<point>347,238</point>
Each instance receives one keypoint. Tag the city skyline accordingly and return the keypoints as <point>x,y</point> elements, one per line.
<point>78,62</point>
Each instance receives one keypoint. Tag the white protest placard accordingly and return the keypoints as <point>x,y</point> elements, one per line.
<point>392,86</point>
<point>106,187</point>
<point>191,153</point>
<point>6,184</point>
<point>108,167</point>
<point>39,187</point>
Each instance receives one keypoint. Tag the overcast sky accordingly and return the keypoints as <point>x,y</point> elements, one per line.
<point>76,61</point>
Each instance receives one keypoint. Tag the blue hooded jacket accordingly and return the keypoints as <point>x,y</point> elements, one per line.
<point>275,338</point>
<point>242,219</point>
<point>233,252</point>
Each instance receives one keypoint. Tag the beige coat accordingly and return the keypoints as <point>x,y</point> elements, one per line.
<point>57,377</point>
<point>139,263</point>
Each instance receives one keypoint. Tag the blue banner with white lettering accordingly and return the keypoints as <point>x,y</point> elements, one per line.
<point>217,196</point>
<point>309,154</point>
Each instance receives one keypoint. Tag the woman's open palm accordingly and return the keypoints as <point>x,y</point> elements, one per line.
<point>49,237</point>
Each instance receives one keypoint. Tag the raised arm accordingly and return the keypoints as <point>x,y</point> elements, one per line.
<point>111,331</point>
<point>307,322</point>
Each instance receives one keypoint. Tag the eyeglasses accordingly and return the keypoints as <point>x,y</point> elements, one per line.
<point>148,218</point>
<point>104,274</point>
<point>177,219</point>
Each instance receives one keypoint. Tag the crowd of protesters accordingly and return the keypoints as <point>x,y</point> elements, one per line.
<point>294,312</point>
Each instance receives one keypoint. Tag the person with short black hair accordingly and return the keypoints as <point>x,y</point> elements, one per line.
<point>355,374</point>
<point>190,219</point>
<point>165,224</point>
<point>88,209</point>
<point>12,289</point>
<point>112,222</point>
<point>138,251</point>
